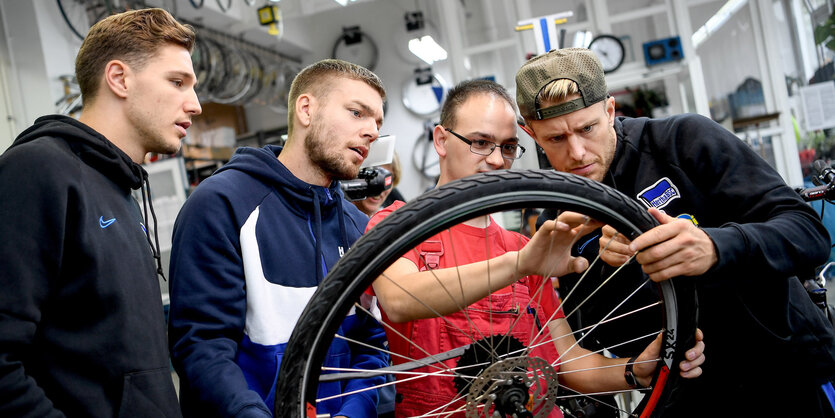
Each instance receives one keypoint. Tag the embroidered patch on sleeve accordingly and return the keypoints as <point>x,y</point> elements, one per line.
<point>659,194</point>
<point>688,217</point>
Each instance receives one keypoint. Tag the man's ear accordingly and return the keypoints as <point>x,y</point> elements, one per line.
<point>610,110</point>
<point>116,77</point>
<point>527,130</point>
<point>439,137</point>
<point>304,109</point>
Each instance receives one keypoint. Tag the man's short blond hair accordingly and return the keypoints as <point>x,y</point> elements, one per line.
<point>317,79</point>
<point>558,91</point>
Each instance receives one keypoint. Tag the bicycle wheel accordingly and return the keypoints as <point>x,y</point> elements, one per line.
<point>237,80</point>
<point>424,158</point>
<point>482,378</point>
<point>79,15</point>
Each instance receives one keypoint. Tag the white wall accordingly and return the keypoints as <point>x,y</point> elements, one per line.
<point>724,78</point>
<point>37,47</point>
<point>40,49</point>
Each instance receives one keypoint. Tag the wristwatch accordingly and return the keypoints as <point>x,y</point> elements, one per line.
<point>629,375</point>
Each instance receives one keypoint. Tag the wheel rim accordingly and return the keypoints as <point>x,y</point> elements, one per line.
<point>466,207</point>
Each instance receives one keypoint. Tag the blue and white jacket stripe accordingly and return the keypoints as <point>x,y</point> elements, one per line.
<point>243,270</point>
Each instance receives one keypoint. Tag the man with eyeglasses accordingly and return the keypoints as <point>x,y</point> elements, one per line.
<point>449,271</point>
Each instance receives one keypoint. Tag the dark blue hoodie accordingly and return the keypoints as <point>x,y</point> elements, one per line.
<point>82,331</point>
<point>251,245</point>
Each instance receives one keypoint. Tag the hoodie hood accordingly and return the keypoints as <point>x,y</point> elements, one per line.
<point>309,201</point>
<point>102,155</point>
<point>92,147</point>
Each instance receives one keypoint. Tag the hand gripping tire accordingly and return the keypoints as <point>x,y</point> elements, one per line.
<point>449,205</point>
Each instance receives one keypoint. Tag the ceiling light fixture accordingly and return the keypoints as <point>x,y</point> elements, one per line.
<point>716,21</point>
<point>427,49</point>
<point>421,43</point>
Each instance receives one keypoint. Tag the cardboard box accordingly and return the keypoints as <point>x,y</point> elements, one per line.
<point>218,126</point>
<point>207,153</point>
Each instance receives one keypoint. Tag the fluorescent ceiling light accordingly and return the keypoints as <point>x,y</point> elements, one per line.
<point>427,49</point>
<point>344,2</point>
<point>716,21</point>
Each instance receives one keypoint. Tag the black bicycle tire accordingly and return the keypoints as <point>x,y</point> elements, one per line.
<point>67,20</point>
<point>425,141</point>
<point>75,31</point>
<point>256,75</point>
<point>237,78</point>
<point>472,196</point>
<point>219,68</point>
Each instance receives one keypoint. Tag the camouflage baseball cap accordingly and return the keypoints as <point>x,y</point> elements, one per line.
<point>576,64</point>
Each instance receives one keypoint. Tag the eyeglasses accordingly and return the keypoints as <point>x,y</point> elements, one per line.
<point>485,147</point>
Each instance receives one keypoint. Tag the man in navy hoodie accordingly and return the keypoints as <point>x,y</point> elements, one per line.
<point>81,321</point>
<point>254,241</point>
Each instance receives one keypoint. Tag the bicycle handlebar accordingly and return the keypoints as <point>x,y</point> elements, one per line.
<point>825,180</point>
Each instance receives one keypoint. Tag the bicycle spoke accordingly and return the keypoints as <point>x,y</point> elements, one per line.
<point>595,397</point>
<point>461,287</point>
<point>577,285</point>
<point>500,335</point>
<point>392,329</point>
<point>581,330</point>
<point>414,376</point>
<point>489,287</point>
<point>349,340</point>
<point>434,311</point>
<point>607,315</point>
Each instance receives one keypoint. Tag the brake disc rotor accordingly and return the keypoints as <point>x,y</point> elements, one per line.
<point>479,355</point>
<point>513,387</point>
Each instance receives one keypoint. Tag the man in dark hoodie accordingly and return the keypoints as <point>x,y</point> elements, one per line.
<point>728,221</point>
<point>255,239</point>
<point>81,320</point>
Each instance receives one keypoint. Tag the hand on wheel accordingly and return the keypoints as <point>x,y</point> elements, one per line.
<point>548,253</point>
<point>689,368</point>
<point>614,247</point>
<point>677,247</point>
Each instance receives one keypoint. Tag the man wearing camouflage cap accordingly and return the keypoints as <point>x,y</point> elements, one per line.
<point>727,219</point>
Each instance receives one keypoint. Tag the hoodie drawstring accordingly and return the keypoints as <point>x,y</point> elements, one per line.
<point>146,202</point>
<point>341,216</point>
<point>317,235</point>
<point>317,229</point>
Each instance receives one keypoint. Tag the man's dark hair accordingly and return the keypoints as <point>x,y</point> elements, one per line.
<point>466,89</point>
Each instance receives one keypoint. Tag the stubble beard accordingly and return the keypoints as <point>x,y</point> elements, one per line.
<point>324,154</point>
<point>152,139</point>
<point>608,156</point>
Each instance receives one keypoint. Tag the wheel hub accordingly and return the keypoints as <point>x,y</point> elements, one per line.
<point>513,387</point>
